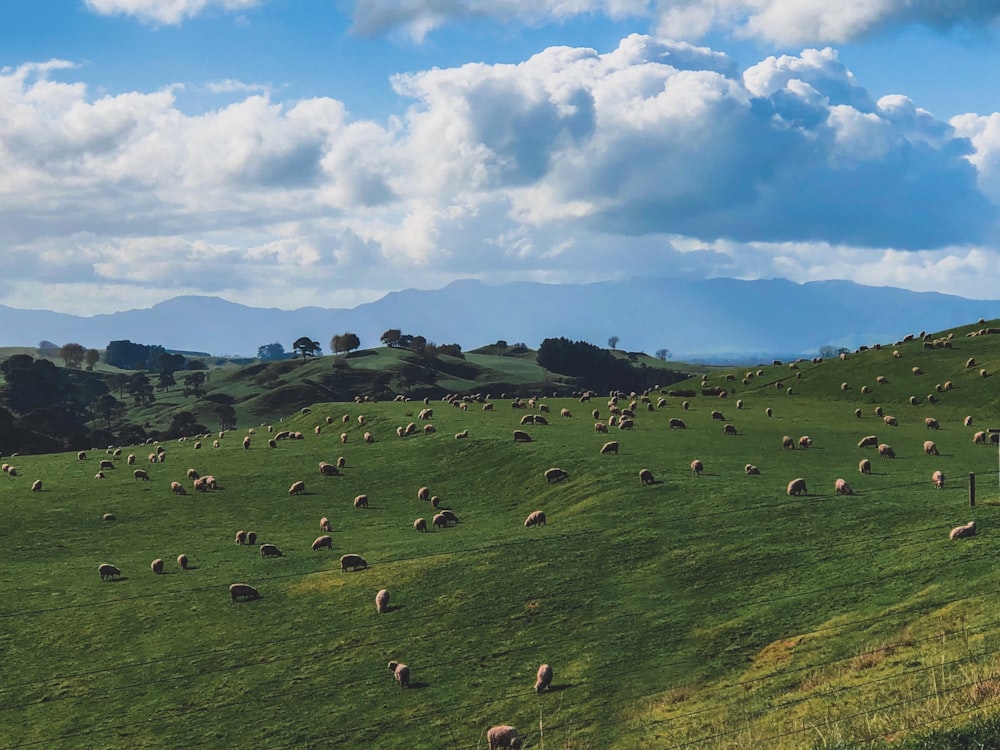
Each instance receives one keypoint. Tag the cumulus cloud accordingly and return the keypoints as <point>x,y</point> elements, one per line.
<point>654,155</point>
<point>168,12</point>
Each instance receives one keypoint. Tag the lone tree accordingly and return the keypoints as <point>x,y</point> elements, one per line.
<point>91,357</point>
<point>344,342</point>
<point>271,352</point>
<point>73,355</point>
<point>663,354</point>
<point>306,347</point>
<point>391,337</point>
<point>613,342</point>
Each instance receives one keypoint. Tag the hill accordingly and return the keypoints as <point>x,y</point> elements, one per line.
<point>711,320</point>
<point>709,610</point>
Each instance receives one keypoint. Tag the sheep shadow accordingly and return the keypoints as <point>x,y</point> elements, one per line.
<point>392,608</point>
<point>116,580</point>
<point>559,688</point>
<point>192,567</point>
<point>416,685</point>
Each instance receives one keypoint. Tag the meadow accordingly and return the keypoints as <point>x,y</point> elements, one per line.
<point>702,611</point>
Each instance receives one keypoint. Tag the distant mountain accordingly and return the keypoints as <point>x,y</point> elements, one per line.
<point>715,319</point>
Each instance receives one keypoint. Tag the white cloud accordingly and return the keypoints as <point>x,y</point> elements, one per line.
<point>655,155</point>
<point>168,12</point>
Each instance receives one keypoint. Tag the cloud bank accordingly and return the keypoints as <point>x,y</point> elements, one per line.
<point>571,165</point>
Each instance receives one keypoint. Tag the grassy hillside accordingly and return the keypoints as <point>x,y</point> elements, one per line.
<point>702,611</point>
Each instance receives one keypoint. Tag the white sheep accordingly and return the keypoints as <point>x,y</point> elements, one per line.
<point>297,488</point>
<point>697,467</point>
<point>841,487</point>
<point>322,542</point>
<point>543,678</point>
<point>797,487</point>
<point>400,672</point>
<point>962,532</point>
<point>938,479</point>
<point>609,447</point>
<point>555,474</point>
<point>930,448</point>
<point>535,518</point>
<point>503,737</point>
<point>382,601</point>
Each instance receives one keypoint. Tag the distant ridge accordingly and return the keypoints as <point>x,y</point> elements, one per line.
<point>714,319</point>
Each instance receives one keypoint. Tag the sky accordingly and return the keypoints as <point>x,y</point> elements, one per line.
<point>285,153</point>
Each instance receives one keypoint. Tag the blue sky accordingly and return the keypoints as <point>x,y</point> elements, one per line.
<point>311,152</point>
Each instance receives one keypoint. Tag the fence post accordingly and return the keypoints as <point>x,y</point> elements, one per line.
<point>972,489</point>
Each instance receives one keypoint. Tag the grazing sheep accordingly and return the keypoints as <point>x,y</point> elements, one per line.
<point>600,427</point>
<point>322,542</point>
<point>141,474</point>
<point>107,570</point>
<point>131,459</point>
<point>369,438</point>
<point>739,403</point>
<point>878,411</point>
<point>361,420</point>
<point>730,429</point>
<point>328,470</point>
<point>177,488</point>
<point>106,465</point>
<point>948,385</point>
<point>400,672</point>
<point>676,424</point>
<point>868,441</point>
<point>439,521</point>
<point>462,435</point>
<point>251,538</point>
<point>269,550</point>
<point>324,524</point>
<point>272,443</point>
<point>968,421</point>
<point>697,467</point>
<point>750,469</point>
<point>297,488</point>
<point>354,562</point>
<point>930,448</point>
<point>555,474</point>
<point>797,487</point>
<point>890,421</point>
<point>246,442</point>
<point>157,566</point>
<point>535,518</point>
<point>938,479</point>
<point>343,437</point>
<point>488,407</point>
<point>719,416</point>
<point>646,477</point>
<point>609,447</point>
<point>886,451</point>
<point>841,487</point>
<point>424,493</point>
<point>182,561</point>
<point>197,445</point>
<point>881,380</point>
<point>970,363</point>
<point>527,419</point>
<point>382,604</point>
<point>361,501</point>
<point>81,456</point>
<point>857,413</point>
<point>241,537</point>
<point>984,373</point>
<point>341,462</point>
<point>543,678</point>
<point>243,591</point>
<point>449,516</point>
<point>192,474</point>
<point>769,411</point>
<point>844,387</point>
<point>787,442</point>
<point>962,532</point>
<point>914,401</point>
<point>865,466</point>
<point>685,405</point>
<point>503,737</point>
<point>521,437</point>
<point>979,438</point>
<point>565,413</point>
<point>12,472</point>
<point>917,371</point>
<point>36,486</point>
<point>420,524</point>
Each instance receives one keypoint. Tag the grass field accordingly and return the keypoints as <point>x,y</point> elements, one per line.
<point>710,611</point>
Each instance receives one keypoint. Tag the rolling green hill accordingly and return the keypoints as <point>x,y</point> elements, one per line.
<point>700,611</point>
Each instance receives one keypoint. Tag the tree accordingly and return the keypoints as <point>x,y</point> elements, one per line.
<point>348,342</point>
<point>227,416</point>
<point>91,357</point>
<point>73,355</point>
<point>165,381</point>
<point>141,390</point>
<point>306,347</point>
<point>193,384</point>
<point>663,354</point>
<point>613,342</point>
<point>126,355</point>
<point>271,352</point>
<point>47,349</point>
<point>391,337</point>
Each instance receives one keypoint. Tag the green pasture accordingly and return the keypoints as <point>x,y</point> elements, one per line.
<point>710,611</point>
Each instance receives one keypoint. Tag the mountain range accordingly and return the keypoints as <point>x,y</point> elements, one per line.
<point>705,320</point>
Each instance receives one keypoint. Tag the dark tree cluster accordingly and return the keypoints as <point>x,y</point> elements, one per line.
<point>345,342</point>
<point>598,369</point>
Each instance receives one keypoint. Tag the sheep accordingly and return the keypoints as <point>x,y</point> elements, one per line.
<point>868,441</point>
<point>914,401</point>
<point>968,421</point>
<point>609,447</point>
<point>555,474</point>
<point>328,470</point>
<point>917,371</point>
<point>361,501</point>
<point>449,516</point>
<point>787,442</point>
<point>676,424</point>
<point>182,562</point>
<point>251,538</point>
<point>272,443</point>
<point>697,467</point>
<point>730,429</point>
<point>962,532</point>
<point>841,487</point>
<point>343,437</point>
<point>241,537</point>
<point>769,411</point>
<point>646,477</point>
<point>521,437</point>
<point>246,442</point>
<point>930,448</point>
<point>197,445</point>
<point>324,524</point>
<point>886,451</point>
<point>502,737</point>
<point>527,419</point>
<point>12,472</point>
<point>865,466</point>
<point>535,518</point>
<point>400,672</point>
<point>297,488</point>
<point>878,411</point>
<point>193,474</point>
<point>718,416</point>
<point>488,407</point>
<point>750,470</point>
<point>141,474</point>
<point>564,412</point>
<point>36,486</point>
<point>600,427</point>
<point>269,550</point>
<point>81,456</point>
<point>369,438</point>
<point>420,524</point>
<point>797,487</point>
<point>157,566</point>
<point>243,591</point>
<point>970,363</point>
<point>984,373</point>
<point>353,562</point>
<point>439,521</point>
<point>890,421</point>
<point>341,462</point>
<point>844,387</point>
<point>543,678</point>
<point>948,385</point>
<point>462,435</point>
<point>739,403</point>
<point>938,479</point>
<point>382,601</point>
<point>979,438</point>
<point>322,542</point>
<point>361,420</point>
<point>130,460</point>
<point>107,570</point>
<point>177,488</point>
